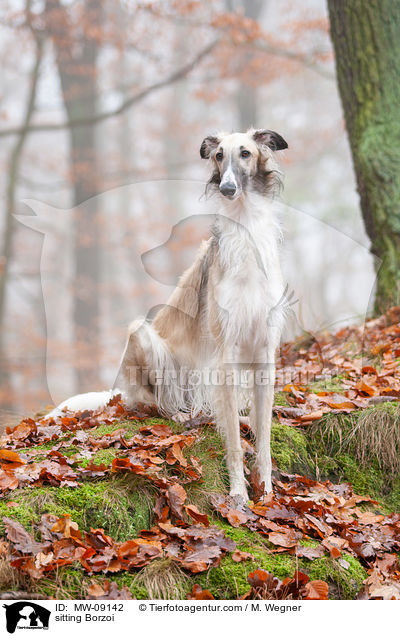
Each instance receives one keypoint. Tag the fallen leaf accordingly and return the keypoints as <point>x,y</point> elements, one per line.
<point>239,556</point>
<point>198,516</point>
<point>198,594</point>
<point>316,591</point>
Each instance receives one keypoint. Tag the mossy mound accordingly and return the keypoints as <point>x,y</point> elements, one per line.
<point>362,448</point>
<point>120,505</point>
<point>164,579</point>
<point>229,580</point>
<point>289,449</point>
<point>123,505</point>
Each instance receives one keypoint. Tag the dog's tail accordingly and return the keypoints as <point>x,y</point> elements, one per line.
<point>83,402</point>
<point>150,372</point>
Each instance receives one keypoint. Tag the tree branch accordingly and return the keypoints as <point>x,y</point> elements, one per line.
<point>306,60</point>
<point>126,104</point>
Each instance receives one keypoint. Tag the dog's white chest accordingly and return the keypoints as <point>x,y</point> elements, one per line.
<point>251,288</point>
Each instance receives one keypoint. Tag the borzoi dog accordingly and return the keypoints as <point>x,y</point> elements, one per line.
<point>225,318</point>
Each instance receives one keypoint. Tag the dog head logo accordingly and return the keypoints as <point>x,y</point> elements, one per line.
<point>137,280</point>
<point>26,615</point>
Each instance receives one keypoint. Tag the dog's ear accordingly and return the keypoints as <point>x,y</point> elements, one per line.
<point>209,144</point>
<point>269,138</point>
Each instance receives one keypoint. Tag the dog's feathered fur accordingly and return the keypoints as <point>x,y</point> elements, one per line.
<point>227,311</point>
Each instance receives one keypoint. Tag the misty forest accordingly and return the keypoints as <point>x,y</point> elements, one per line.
<point>103,108</point>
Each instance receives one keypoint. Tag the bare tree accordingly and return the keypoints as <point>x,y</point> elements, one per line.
<point>246,96</point>
<point>77,50</point>
<point>97,118</point>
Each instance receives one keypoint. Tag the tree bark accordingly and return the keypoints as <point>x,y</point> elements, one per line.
<point>77,68</point>
<point>366,39</point>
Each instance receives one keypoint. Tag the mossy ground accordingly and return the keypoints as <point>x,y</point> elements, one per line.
<point>229,580</point>
<point>341,448</point>
<point>120,505</point>
<point>123,506</point>
<point>164,579</point>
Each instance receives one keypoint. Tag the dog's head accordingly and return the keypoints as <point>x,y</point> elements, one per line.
<point>243,162</point>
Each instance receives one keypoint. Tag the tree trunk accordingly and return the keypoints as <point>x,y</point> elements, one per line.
<point>247,94</point>
<point>366,39</point>
<point>76,56</point>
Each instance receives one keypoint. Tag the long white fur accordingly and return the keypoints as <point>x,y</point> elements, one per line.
<point>250,296</point>
<point>169,396</point>
<point>249,252</point>
<point>251,304</point>
<point>252,290</point>
<point>83,402</point>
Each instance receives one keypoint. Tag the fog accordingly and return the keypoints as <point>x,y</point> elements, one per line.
<point>147,82</point>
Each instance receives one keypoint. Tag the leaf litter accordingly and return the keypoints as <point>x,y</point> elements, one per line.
<point>298,509</point>
<point>364,382</point>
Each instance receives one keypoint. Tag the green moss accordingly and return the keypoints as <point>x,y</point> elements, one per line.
<point>241,535</point>
<point>130,426</point>
<point>67,451</point>
<point>366,481</point>
<point>138,591</point>
<point>49,445</point>
<point>391,498</point>
<point>309,543</point>
<point>289,449</point>
<point>106,456</point>
<point>103,456</point>
<point>370,481</point>
<point>209,449</point>
<point>176,427</point>
<point>335,454</point>
<point>334,383</point>
<point>343,583</point>
<point>229,579</point>
<point>280,398</point>
<point>133,426</point>
<point>344,468</point>
<point>122,506</point>
<point>163,579</point>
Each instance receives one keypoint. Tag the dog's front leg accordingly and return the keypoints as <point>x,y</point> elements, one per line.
<point>263,402</point>
<point>227,416</point>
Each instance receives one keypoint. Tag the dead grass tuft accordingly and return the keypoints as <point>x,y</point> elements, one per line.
<point>163,579</point>
<point>372,434</point>
<point>10,578</point>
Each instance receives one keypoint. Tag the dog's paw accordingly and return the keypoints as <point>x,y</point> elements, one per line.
<point>239,495</point>
<point>267,488</point>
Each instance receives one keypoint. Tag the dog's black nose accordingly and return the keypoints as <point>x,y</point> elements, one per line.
<point>227,189</point>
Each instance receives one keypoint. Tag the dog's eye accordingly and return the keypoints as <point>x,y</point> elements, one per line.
<point>219,156</point>
<point>245,154</point>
